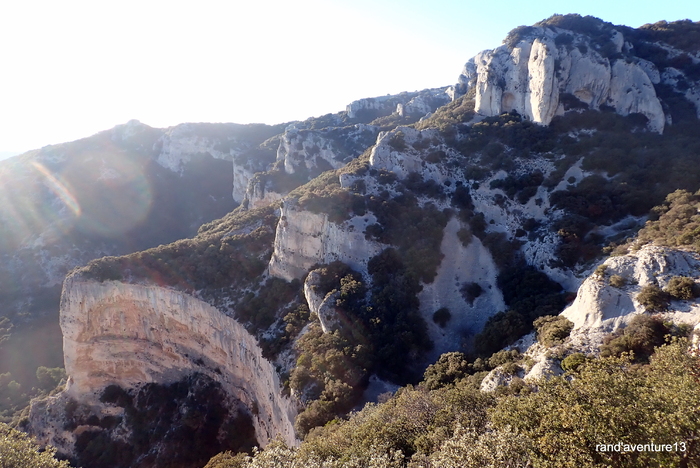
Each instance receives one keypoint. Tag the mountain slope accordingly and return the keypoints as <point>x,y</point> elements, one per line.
<point>377,239</point>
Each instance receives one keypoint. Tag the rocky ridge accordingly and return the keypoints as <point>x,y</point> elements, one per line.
<point>460,207</point>
<point>544,71</point>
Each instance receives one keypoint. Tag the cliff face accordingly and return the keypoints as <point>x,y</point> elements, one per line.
<point>535,76</point>
<point>304,238</point>
<point>130,335</point>
<point>416,103</point>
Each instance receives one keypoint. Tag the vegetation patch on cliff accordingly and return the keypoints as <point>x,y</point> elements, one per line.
<point>232,251</point>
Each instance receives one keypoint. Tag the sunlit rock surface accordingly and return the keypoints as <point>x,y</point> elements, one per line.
<point>601,308</point>
<point>129,335</point>
<point>532,76</point>
<point>304,239</point>
<point>323,305</point>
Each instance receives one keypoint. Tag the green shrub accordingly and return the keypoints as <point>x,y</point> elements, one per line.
<point>601,270</point>
<point>465,236</point>
<point>50,378</point>
<point>510,368</point>
<point>611,400</point>
<point>500,330</point>
<point>18,450</point>
<point>617,281</point>
<point>416,231</point>
<point>653,298</point>
<point>552,330</point>
<point>573,361</point>
<point>470,291</point>
<point>682,287</point>
<point>641,336</point>
<point>227,460</point>
<point>503,357</point>
<point>449,369</point>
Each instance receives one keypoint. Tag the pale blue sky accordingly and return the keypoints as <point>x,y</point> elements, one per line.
<point>75,67</point>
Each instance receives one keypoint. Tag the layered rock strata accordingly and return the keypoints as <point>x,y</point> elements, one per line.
<point>129,335</point>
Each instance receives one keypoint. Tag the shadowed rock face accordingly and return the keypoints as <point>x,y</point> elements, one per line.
<point>131,335</point>
<point>178,425</point>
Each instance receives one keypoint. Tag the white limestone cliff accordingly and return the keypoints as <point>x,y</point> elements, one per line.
<point>531,76</point>
<point>323,305</point>
<point>601,308</point>
<point>415,103</point>
<point>260,193</point>
<point>129,335</point>
<point>304,239</point>
<point>315,151</point>
<point>180,143</point>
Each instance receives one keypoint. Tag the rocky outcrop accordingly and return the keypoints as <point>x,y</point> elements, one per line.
<point>602,308</point>
<point>260,192</point>
<point>534,76</point>
<point>323,305</point>
<point>130,335</point>
<point>180,143</point>
<point>396,152</point>
<point>315,151</point>
<point>304,239</point>
<point>404,104</point>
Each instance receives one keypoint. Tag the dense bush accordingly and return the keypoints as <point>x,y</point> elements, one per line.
<point>573,361</point>
<point>393,321</point>
<point>529,294</point>
<point>617,281</point>
<point>261,309</point>
<point>442,316</point>
<point>641,337</point>
<point>416,231</point>
<point>561,424</point>
<point>448,370</point>
<point>325,195</point>
<point>470,291</point>
<point>458,111</point>
<point>653,298</point>
<point>331,372</point>
<point>384,336</point>
<point>610,400</point>
<point>500,330</point>
<point>677,222</point>
<point>521,188</point>
<point>552,330</point>
<point>228,252</point>
<point>683,34</point>
<point>682,287</point>
<point>182,424</point>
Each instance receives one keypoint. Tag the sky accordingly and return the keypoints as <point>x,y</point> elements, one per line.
<point>72,68</point>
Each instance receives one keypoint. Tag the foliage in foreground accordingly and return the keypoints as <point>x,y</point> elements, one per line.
<point>17,450</point>
<point>563,424</point>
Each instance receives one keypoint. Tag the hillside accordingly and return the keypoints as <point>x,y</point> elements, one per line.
<point>407,241</point>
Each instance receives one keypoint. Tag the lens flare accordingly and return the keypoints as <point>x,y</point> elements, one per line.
<point>59,188</point>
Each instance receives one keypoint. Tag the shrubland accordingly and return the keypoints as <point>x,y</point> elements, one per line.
<point>448,422</point>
